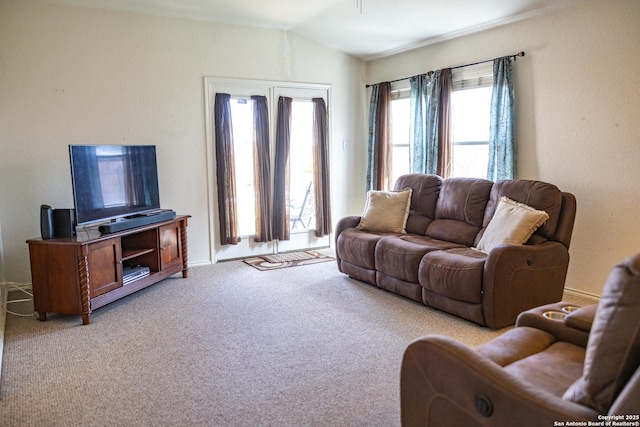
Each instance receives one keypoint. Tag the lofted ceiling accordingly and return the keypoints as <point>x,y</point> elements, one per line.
<point>363,28</point>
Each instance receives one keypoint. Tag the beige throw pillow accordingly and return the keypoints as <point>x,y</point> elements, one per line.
<point>386,211</point>
<point>512,223</point>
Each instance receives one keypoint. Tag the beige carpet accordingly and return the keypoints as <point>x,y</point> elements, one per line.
<point>229,346</point>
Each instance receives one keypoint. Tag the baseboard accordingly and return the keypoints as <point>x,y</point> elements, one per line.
<point>583,294</point>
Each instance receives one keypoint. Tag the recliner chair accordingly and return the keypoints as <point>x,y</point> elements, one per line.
<point>556,365</point>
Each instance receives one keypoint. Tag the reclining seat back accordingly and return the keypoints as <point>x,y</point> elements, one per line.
<point>539,195</point>
<point>612,359</point>
<point>425,193</point>
<point>459,210</point>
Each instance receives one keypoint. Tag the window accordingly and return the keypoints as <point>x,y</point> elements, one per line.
<point>471,106</point>
<point>242,120</point>
<point>301,203</point>
<point>400,130</point>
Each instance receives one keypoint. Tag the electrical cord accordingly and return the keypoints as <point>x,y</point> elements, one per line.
<point>19,287</point>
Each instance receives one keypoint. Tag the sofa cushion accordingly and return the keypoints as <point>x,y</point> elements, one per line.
<point>358,247</point>
<point>460,210</point>
<point>424,194</point>
<point>386,211</point>
<point>400,256</point>
<point>539,195</point>
<point>400,259</point>
<point>512,223</point>
<point>454,273</point>
<point>613,350</point>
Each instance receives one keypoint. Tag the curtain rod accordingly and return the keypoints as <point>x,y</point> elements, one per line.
<point>519,54</point>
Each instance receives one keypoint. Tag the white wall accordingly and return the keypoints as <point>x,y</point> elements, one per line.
<point>70,75</point>
<point>578,117</point>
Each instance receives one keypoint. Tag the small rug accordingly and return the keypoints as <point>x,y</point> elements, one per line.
<point>289,259</point>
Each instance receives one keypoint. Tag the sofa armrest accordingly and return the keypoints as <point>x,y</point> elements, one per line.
<point>347,222</point>
<point>344,223</point>
<point>442,382</point>
<point>573,328</point>
<point>519,277</point>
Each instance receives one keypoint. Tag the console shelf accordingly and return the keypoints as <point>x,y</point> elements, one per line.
<point>133,253</point>
<point>76,275</point>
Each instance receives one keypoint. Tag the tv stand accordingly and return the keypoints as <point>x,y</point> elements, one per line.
<point>76,275</point>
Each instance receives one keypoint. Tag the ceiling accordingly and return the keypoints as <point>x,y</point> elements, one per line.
<point>363,28</point>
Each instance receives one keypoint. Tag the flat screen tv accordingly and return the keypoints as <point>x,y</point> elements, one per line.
<point>113,181</point>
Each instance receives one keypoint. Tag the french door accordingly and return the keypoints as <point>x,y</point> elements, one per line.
<point>300,200</point>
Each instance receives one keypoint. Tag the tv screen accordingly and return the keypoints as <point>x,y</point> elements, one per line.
<point>112,181</point>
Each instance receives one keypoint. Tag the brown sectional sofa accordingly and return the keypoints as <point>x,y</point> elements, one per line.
<point>435,262</point>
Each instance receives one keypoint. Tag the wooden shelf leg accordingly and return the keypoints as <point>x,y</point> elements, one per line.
<point>183,234</point>
<point>83,275</point>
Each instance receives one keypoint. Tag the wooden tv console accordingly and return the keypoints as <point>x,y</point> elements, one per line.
<point>76,275</point>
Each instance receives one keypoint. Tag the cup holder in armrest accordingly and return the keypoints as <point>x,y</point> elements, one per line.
<point>555,315</point>
<point>570,308</point>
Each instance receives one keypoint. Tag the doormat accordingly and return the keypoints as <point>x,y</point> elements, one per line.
<point>289,259</point>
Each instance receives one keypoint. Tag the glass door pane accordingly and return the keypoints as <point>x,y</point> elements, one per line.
<point>242,120</point>
<point>301,204</point>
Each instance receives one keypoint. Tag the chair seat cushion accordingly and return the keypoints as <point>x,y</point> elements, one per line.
<point>552,370</point>
<point>516,344</point>
<point>454,273</point>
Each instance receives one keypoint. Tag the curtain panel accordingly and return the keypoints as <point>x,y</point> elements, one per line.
<point>418,122</point>
<point>431,123</point>
<point>438,150</point>
<point>445,125</point>
<point>502,144</point>
<point>379,152</point>
<point>262,169</point>
<point>321,176</point>
<point>225,171</point>
<point>281,173</point>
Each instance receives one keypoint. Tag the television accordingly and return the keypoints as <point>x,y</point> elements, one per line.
<point>113,181</point>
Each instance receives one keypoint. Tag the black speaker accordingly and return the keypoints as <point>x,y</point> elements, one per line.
<point>63,223</point>
<point>46,222</point>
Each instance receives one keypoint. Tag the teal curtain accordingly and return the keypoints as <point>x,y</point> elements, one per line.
<point>418,131</point>
<point>431,126</point>
<point>502,144</point>
<point>431,123</point>
<point>379,154</point>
